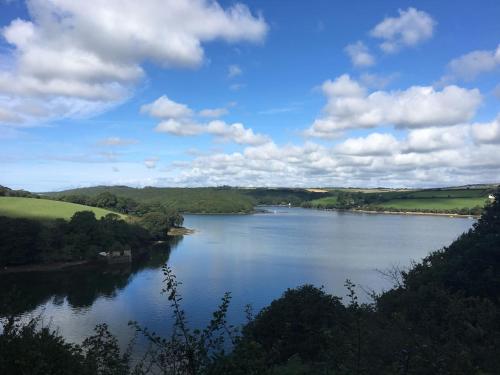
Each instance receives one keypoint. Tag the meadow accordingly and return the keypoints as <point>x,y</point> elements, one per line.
<point>44,209</point>
<point>437,203</point>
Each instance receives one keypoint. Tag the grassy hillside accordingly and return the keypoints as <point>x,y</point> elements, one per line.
<point>434,203</point>
<point>326,202</point>
<point>43,208</point>
<point>241,200</point>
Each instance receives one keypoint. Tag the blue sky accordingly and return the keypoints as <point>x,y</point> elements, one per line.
<point>259,93</point>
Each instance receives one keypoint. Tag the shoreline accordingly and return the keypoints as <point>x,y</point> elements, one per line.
<point>416,213</point>
<point>405,213</point>
<point>181,231</point>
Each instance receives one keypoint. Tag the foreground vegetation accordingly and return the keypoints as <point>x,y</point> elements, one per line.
<point>441,317</point>
<point>46,231</point>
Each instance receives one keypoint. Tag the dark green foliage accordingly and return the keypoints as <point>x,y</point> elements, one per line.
<point>302,322</point>
<point>471,264</point>
<point>34,349</point>
<point>282,196</point>
<point>25,349</point>
<point>157,224</point>
<point>24,241</point>
<point>6,192</point>
<point>140,201</point>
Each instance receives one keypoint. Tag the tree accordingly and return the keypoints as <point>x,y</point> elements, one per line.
<point>157,224</point>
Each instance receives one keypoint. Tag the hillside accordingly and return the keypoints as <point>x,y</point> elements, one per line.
<point>225,199</point>
<point>44,209</point>
<point>186,200</point>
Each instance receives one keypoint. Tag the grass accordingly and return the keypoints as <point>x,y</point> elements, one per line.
<point>324,202</point>
<point>434,203</point>
<point>44,209</point>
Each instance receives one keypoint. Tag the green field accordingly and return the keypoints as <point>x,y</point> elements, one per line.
<point>434,203</point>
<point>44,209</point>
<point>326,202</point>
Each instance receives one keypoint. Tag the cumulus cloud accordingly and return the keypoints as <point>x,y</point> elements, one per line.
<point>410,28</point>
<point>184,127</point>
<point>487,132</point>
<point>471,65</point>
<point>435,139</point>
<point>163,107</point>
<point>360,54</point>
<point>312,164</point>
<point>373,144</point>
<point>178,119</point>
<point>75,58</point>
<point>350,105</point>
<point>233,71</point>
<point>236,133</point>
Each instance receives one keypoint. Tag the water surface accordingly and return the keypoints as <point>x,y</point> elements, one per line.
<point>255,257</point>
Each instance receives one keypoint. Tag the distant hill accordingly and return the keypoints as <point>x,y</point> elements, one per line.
<point>186,200</point>
<point>44,209</point>
<point>465,200</point>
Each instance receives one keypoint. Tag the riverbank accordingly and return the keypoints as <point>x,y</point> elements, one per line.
<point>359,210</point>
<point>418,213</point>
<point>181,231</point>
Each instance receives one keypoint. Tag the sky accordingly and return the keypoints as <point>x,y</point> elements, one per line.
<point>256,93</point>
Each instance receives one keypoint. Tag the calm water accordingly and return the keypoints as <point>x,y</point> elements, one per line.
<point>256,257</point>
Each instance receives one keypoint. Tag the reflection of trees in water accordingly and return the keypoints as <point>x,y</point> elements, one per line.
<point>79,286</point>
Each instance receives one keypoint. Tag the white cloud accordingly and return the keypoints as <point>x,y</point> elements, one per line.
<point>183,127</point>
<point>150,163</point>
<point>213,112</point>
<point>163,107</point>
<point>488,132</point>
<point>373,144</point>
<point>315,165</point>
<point>435,139</point>
<point>233,71</point>
<point>471,65</point>
<point>360,54</point>
<point>349,106</point>
<point>117,141</point>
<point>76,58</point>
<point>178,120</point>
<point>410,28</point>
<point>236,133</point>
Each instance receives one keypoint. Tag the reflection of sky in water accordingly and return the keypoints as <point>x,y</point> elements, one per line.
<point>257,257</point>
